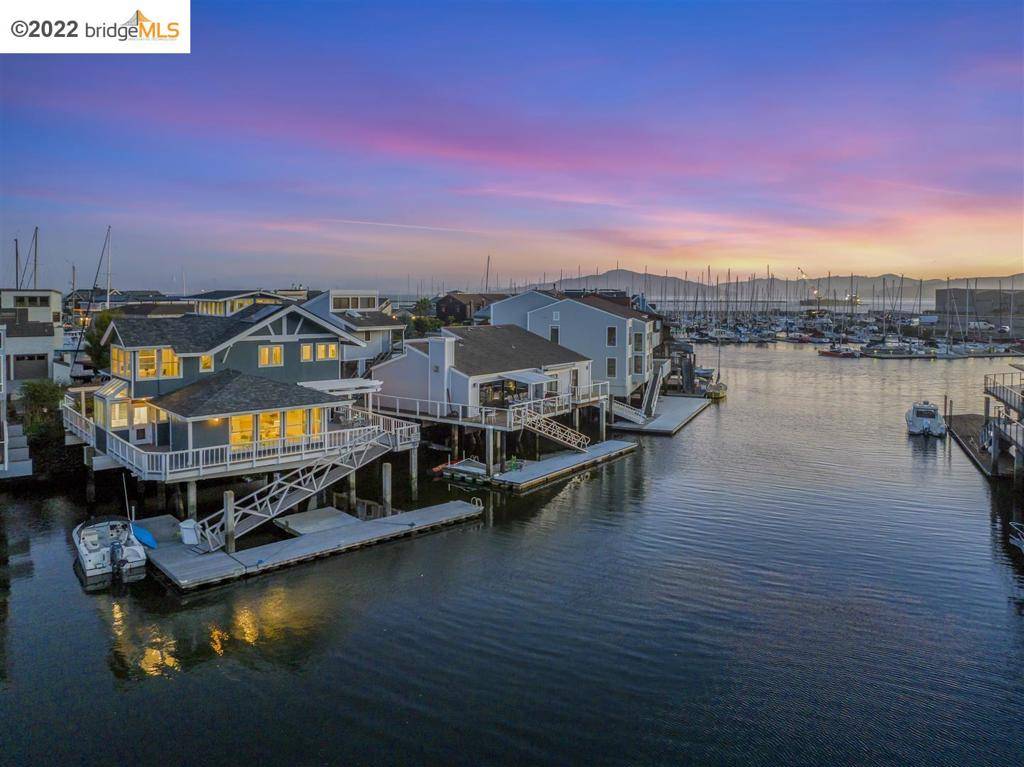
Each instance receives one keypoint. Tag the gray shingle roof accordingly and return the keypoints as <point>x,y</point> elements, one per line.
<point>231,391</point>
<point>611,307</point>
<point>221,295</point>
<point>369,319</point>
<point>188,334</point>
<point>485,349</point>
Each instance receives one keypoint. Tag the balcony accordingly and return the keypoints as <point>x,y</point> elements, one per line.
<point>153,462</point>
<point>504,418</point>
<point>586,395</point>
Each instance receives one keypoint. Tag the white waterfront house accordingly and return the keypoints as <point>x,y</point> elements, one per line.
<point>619,339</point>
<point>499,378</point>
<point>35,333</point>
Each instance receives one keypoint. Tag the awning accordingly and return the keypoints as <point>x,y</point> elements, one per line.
<point>345,387</point>
<point>528,377</point>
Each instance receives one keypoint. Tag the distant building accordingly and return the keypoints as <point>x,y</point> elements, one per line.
<point>35,332</point>
<point>454,308</point>
<point>995,306</point>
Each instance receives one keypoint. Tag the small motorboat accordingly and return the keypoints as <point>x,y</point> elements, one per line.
<point>109,550</point>
<point>841,351</point>
<point>924,419</point>
<point>715,391</point>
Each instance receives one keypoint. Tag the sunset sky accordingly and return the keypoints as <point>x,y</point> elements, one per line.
<point>357,145</point>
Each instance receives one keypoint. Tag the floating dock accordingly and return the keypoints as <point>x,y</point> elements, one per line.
<point>318,533</point>
<point>672,413</point>
<point>965,429</point>
<point>533,474</point>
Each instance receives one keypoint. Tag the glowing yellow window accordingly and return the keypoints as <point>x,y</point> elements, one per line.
<point>294,425</point>
<point>170,364</point>
<point>119,415</point>
<point>206,363</point>
<point>270,426</point>
<point>271,356</point>
<point>307,353</point>
<point>315,425</point>
<point>240,429</point>
<point>147,363</point>
<point>327,351</point>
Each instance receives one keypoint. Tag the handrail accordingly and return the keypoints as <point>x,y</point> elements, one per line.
<point>1006,387</point>
<point>590,392</point>
<point>483,415</point>
<point>365,427</point>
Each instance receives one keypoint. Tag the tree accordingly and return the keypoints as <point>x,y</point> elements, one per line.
<point>423,307</point>
<point>40,401</point>
<point>98,353</point>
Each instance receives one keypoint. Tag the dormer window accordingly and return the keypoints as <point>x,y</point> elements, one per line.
<point>170,364</point>
<point>147,363</point>
<point>120,362</point>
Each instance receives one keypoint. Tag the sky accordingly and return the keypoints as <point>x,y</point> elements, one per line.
<point>342,144</point>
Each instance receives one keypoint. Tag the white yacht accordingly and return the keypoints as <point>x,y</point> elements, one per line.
<point>924,418</point>
<point>109,550</point>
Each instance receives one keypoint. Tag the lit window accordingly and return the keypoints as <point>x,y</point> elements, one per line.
<point>270,426</point>
<point>240,430</point>
<point>206,363</point>
<point>170,365</point>
<point>120,362</point>
<point>119,415</point>
<point>327,351</point>
<point>271,356</point>
<point>294,425</point>
<point>97,412</point>
<point>147,363</point>
<point>307,353</point>
<point>315,420</point>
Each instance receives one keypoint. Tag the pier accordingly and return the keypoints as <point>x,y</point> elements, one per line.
<point>672,414</point>
<point>318,533</point>
<point>529,475</point>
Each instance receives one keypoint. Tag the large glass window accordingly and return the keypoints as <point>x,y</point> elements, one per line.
<point>120,362</point>
<point>170,364</point>
<point>326,351</point>
<point>294,425</point>
<point>340,303</point>
<point>270,426</point>
<point>147,363</point>
<point>271,356</point>
<point>119,415</point>
<point>240,430</point>
<point>315,420</point>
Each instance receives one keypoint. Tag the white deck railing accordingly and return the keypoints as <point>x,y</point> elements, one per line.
<point>1006,387</point>
<point>590,393</point>
<point>479,415</point>
<point>169,466</point>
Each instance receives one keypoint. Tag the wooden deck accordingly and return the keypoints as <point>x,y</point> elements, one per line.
<point>533,474</point>
<point>672,413</point>
<point>321,532</point>
<point>965,429</point>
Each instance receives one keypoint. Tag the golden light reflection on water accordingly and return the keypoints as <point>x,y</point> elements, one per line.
<point>152,645</point>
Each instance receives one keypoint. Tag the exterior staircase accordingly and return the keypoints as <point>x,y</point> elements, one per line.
<point>286,492</point>
<point>552,429</point>
<point>628,412</point>
<point>14,458</point>
<point>653,390</point>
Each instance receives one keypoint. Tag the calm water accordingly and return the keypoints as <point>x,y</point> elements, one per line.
<point>791,580</point>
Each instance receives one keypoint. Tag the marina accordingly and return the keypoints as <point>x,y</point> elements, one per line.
<point>866,555</point>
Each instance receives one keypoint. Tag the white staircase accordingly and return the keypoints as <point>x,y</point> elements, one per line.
<point>653,390</point>
<point>15,443</point>
<point>552,429</point>
<point>630,413</point>
<point>286,492</point>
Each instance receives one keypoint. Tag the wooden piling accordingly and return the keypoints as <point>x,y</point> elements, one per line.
<point>229,521</point>
<point>190,501</point>
<point>386,487</point>
<point>352,492</point>
<point>414,473</point>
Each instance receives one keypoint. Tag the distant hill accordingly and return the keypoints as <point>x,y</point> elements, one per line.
<point>658,286</point>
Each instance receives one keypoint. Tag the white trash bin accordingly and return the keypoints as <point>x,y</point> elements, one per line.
<point>189,533</point>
